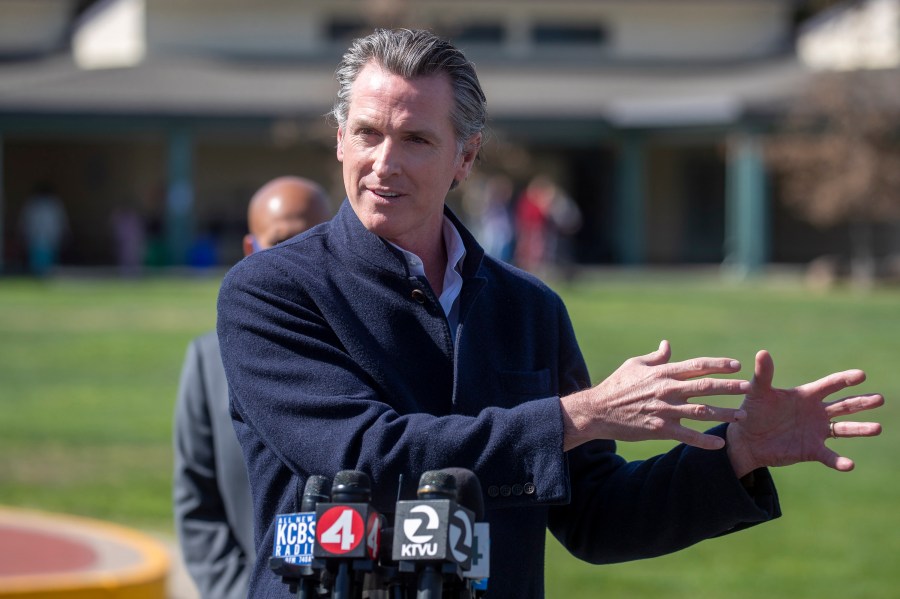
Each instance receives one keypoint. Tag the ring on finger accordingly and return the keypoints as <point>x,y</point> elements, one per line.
<point>831,432</point>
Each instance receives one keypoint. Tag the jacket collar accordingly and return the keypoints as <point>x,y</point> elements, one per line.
<point>367,247</point>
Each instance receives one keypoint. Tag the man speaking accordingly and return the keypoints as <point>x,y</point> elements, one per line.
<point>386,341</point>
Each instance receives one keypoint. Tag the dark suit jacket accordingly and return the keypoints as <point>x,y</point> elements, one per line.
<point>213,510</point>
<point>336,360</point>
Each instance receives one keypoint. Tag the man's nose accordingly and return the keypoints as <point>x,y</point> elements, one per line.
<point>387,159</point>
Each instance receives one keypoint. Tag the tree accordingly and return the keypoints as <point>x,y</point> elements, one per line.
<point>838,157</point>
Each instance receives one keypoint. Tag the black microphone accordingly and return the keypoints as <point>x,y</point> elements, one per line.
<point>348,530</point>
<point>468,490</point>
<point>435,486</point>
<point>318,488</point>
<point>387,576</point>
<point>295,539</point>
<point>424,531</point>
<point>471,496</point>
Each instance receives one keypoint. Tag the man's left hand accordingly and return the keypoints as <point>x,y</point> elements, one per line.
<point>787,426</point>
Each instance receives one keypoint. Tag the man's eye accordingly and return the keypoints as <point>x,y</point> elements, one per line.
<point>418,140</point>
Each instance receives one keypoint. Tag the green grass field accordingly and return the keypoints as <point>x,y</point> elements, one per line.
<point>89,370</point>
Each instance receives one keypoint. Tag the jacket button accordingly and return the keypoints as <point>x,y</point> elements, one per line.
<point>418,295</point>
<point>505,490</point>
<point>529,488</point>
<point>493,491</point>
<point>517,489</point>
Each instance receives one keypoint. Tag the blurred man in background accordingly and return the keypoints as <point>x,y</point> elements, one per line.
<point>213,509</point>
<point>45,226</point>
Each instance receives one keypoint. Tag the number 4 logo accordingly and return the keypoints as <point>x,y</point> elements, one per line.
<point>373,539</point>
<point>340,530</point>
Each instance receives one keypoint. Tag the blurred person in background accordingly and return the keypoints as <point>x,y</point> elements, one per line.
<point>546,220</point>
<point>44,225</point>
<point>213,508</point>
<point>533,224</point>
<point>130,239</point>
<point>496,230</point>
<point>564,222</point>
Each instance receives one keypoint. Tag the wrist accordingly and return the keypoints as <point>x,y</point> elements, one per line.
<point>574,420</point>
<point>738,451</point>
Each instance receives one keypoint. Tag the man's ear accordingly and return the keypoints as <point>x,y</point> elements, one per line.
<point>469,154</point>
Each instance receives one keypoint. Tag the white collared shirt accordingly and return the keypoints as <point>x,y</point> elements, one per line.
<point>456,253</point>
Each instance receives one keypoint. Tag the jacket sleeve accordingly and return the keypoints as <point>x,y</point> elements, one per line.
<point>621,511</point>
<point>297,390</point>
<point>212,554</point>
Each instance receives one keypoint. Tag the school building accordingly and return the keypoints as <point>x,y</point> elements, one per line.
<point>652,114</point>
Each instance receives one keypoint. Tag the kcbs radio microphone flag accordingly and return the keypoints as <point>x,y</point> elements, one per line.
<point>295,534</point>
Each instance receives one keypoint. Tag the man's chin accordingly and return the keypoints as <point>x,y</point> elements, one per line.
<point>379,224</point>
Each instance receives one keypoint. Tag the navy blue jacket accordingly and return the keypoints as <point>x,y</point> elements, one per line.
<point>333,363</point>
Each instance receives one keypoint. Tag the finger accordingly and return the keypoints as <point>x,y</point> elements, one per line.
<point>689,436</point>
<point>660,356</point>
<point>763,370</point>
<point>706,387</point>
<point>856,429</point>
<point>707,413</point>
<point>695,367</point>
<point>833,383</point>
<point>853,405</point>
<point>836,461</point>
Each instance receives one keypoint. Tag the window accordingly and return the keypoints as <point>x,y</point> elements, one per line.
<point>476,33</point>
<point>562,34</point>
<point>343,31</point>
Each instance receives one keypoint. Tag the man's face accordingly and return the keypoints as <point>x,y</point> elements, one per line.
<point>400,155</point>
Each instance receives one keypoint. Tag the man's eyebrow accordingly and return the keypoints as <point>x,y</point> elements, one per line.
<point>365,123</point>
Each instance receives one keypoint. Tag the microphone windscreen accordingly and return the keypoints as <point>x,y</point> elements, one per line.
<point>317,488</point>
<point>351,485</point>
<point>437,484</point>
<point>469,490</point>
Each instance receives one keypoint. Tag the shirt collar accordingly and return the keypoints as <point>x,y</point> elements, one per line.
<point>456,254</point>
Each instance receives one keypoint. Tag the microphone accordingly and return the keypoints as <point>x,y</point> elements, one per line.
<point>472,497</point>
<point>387,581</point>
<point>348,530</point>
<point>429,534</point>
<point>318,488</point>
<point>295,539</point>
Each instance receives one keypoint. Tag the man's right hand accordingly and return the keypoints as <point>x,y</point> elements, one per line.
<point>647,397</point>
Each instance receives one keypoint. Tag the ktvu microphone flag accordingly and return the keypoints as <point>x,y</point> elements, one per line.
<point>434,530</point>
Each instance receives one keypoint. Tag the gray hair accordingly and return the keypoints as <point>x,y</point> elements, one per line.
<point>410,54</point>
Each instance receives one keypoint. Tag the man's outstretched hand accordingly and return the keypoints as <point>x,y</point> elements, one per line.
<point>648,396</point>
<point>787,426</point>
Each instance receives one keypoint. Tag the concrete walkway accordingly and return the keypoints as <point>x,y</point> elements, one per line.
<point>179,584</point>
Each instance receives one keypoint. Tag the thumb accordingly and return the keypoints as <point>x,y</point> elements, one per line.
<point>763,371</point>
<point>660,356</point>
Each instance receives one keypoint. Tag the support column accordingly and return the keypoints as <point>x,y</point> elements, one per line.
<point>630,201</point>
<point>747,234</point>
<point>179,196</point>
